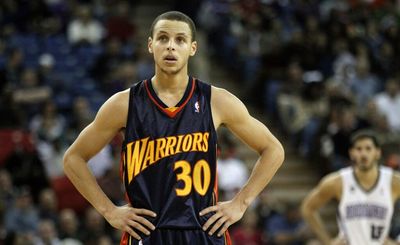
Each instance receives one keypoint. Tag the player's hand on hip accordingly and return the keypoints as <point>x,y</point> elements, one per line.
<point>129,219</point>
<point>226,213</point>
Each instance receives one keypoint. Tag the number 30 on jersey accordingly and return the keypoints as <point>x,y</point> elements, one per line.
<point>199,177</point>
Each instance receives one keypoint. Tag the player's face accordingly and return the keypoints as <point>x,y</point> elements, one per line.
<point>171,46</point>
<point>365,154</point>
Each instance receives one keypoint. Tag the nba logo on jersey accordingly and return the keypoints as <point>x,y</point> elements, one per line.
<point>196,107</point>
<point>140,242</point>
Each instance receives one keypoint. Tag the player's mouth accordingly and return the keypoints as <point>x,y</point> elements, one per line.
<point>170,59</point>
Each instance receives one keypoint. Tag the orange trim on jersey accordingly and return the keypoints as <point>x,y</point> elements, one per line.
<point>227,238</point>
<point>121,166</point>
<point>172,109</point>
<point>216,183</point>
<point>124,239</point>
<point>216,190</point>
<point>169,113</point>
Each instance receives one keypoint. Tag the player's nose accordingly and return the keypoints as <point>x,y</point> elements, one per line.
<point>171,45</point>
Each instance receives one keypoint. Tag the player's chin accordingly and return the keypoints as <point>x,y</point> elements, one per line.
<point>171,70</point>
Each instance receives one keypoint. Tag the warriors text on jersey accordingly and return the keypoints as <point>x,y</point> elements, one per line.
<point>169,155</point>
<point>365,215</point>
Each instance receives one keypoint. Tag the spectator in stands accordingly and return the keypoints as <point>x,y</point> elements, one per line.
<point>48,129</point>
<point>247,231</point>
<point>6,190</point>
<point>107,62</point>
<point>69,225</point>
<point>301,112</point>
<point>232,172</point>
<point>23,216</point>
<point>94,227</point>
<point>122,77</point>
<point>287,228</point>
<point>15,115</point>
<point>251,48</point>
<point>144,64</point>
<point>387,61</point>
<point>364,85</point>
<point>343,66</point>
<point>84,29</point>
<point>335,139</point>
<point>48,206</point>
<point>46,69</point>
<point>120,24</point>
<point>101,162</point>
<point>47,233</point>
<point>25,166</point>
<point>10,74</point>
<point>31,92</point>
<point>49,125</point>
<point>388,104</point>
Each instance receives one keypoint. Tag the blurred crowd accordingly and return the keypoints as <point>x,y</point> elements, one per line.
<point>322,69</point>
<point>319,69</point>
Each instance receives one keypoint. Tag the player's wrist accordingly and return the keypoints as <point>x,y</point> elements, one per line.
<point>106,212</point>
<point>244,202</point>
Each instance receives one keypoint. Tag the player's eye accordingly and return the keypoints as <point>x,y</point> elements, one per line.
<point>180,39</point>
<point>163,38</point>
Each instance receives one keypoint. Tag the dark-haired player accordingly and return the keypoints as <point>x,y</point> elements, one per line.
<point>169,151</point>
<point>366,193</point>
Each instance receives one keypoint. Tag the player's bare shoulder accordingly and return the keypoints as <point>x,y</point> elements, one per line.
<point>226,106</point>
<point>115,110</point>
<point>396,185</point>
<point>331,184</point>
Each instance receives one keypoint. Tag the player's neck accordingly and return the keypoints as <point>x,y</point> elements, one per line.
<point>170,83</point>
<point>367,178</point>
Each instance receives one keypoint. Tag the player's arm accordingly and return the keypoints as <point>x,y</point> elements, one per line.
<point>231,112</point>
<point>110,119</point>
<point>328,189</point>
<point>396,186</point>
<point>396,197</point>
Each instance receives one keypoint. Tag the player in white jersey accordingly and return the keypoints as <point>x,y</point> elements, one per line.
<point>366,193</point>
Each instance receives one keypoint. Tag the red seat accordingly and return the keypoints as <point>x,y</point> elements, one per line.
<point>12,138</point>
<point>68,196</point>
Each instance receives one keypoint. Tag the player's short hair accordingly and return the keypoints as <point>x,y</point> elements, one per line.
<point>178,16</point>
<point>364,134</point>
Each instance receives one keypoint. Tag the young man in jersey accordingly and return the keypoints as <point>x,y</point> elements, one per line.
<point>366,193</point>
<point>169,152</point>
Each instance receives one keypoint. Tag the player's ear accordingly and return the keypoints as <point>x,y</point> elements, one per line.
<point>150,45</point>
<point>193,48</point>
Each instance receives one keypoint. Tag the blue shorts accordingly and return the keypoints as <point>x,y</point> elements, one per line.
<point>177,237</point>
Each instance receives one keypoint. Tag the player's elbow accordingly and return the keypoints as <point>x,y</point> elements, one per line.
<point>305,209</point>
<point>281,152</point>
<point>68,162</point>
<point>278,152</point>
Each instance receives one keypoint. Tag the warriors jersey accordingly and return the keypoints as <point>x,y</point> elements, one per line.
<point>169,155</point>
<point>365,215</point>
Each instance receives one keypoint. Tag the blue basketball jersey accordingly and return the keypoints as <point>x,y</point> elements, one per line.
<point>169,155</point>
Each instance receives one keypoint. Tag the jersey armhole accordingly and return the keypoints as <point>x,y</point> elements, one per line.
<point>210,108</point>
<point>129,114</point>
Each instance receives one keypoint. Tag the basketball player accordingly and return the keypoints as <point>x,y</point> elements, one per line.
<point>366,193</point>
<point>168,163</point>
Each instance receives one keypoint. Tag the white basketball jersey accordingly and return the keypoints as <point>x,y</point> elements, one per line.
<point>365,216</point>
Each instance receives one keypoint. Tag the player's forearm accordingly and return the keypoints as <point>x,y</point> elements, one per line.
<point>263,171</point>
<point>313,218</point>
<point>77,171</point>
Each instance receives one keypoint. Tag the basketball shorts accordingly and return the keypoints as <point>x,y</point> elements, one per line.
<point>177,237</point>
